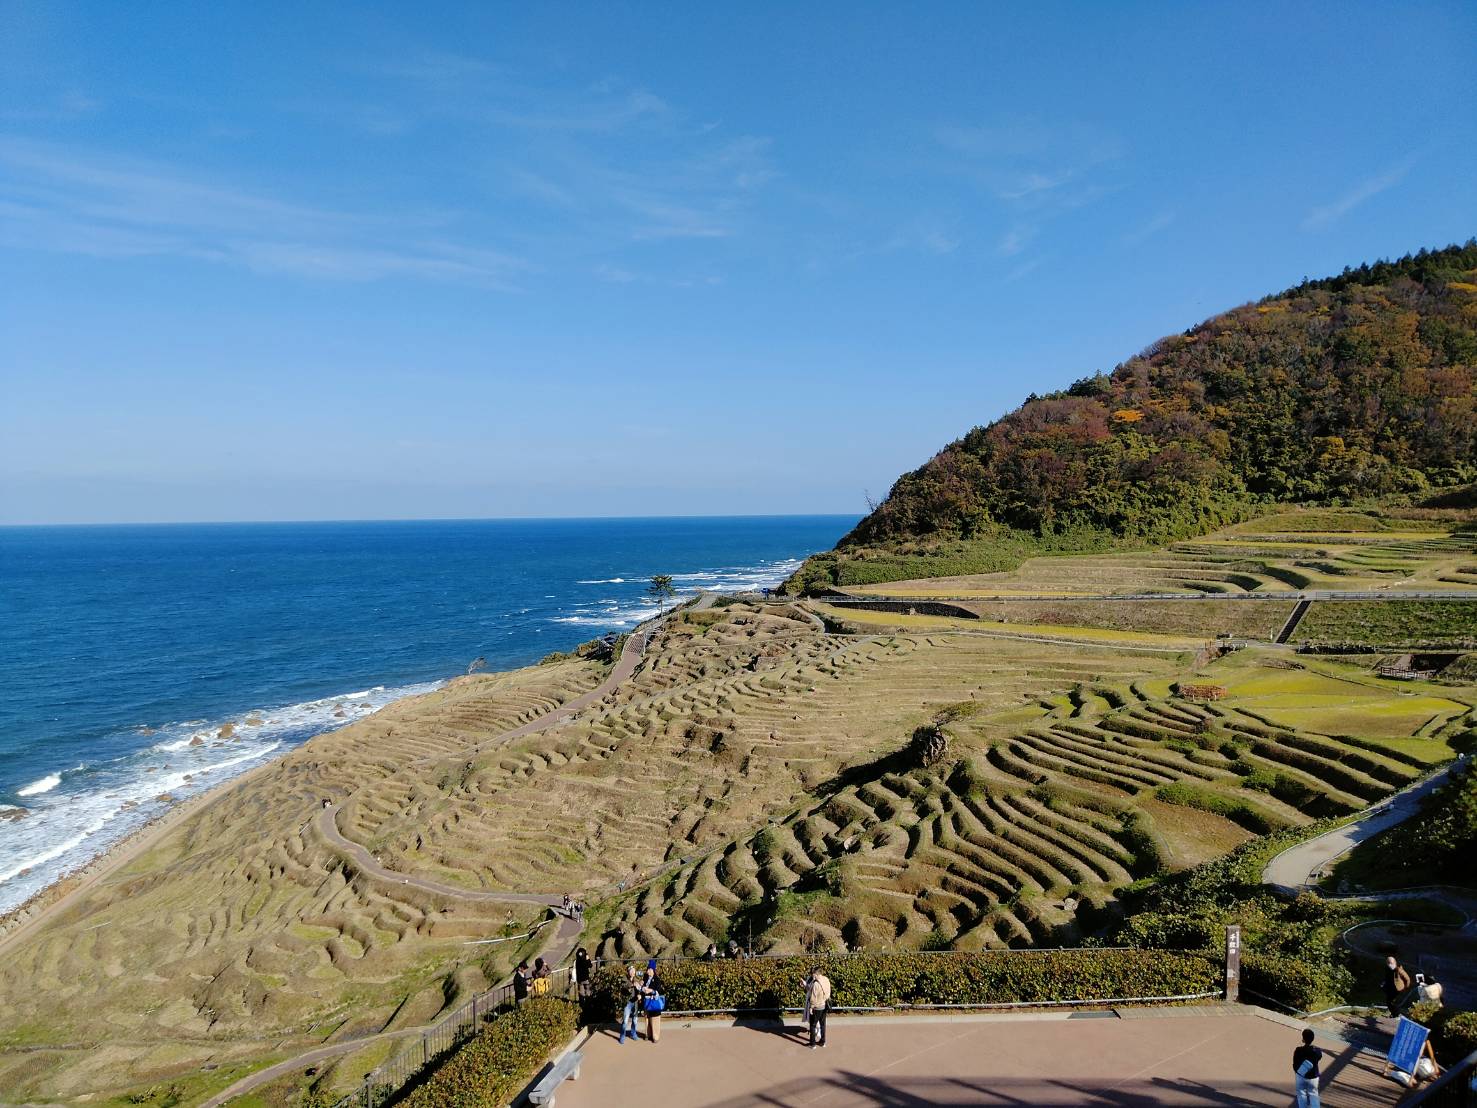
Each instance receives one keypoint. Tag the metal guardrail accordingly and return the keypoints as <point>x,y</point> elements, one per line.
<point>1455,1088</point>
<point>385,1081</point>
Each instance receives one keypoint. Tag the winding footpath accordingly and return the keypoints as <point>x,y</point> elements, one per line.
<point>565,936</point>
<point>1303,865</point>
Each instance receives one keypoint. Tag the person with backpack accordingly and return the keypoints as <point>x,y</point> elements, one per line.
<point>817,1004</point>
<point>1305,1061</point>
<point>1397,981</point>
<point>540,977</point>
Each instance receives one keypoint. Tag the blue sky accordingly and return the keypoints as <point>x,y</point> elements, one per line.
<point>270,261</point>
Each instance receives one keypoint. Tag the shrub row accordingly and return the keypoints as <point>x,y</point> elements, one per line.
<point>1453,1032</point>
<point>899,979</point>
<point>491,1069</point>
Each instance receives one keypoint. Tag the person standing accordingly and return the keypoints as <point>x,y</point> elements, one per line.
<point>818,1003</point>
<point>1305,1060</point>
<point>1397,981</point>
<point>540,977</point>
<point>635,994</point>
<point>520,983</point>
<point>655,1003</point>
<point>583,967</point>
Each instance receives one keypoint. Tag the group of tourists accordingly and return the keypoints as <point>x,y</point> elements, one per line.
<point>1401,991</point>
<point>534,982</point>
<point>644,996</point>
<point>731,951</point>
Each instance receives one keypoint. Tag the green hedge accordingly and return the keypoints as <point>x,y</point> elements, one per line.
<point>1453,1032</point>
<point>492,1068</point>
<point>888,980</point>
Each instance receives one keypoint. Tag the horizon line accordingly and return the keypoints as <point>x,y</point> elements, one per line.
<point>430,519</point>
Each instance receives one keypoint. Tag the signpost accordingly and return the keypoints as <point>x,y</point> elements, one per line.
<point>1412,1041</point>
<point>1233,962</point>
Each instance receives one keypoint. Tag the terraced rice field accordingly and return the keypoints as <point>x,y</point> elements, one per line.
<point>1412,622</point>
<point>1048,809</point>
<point>239,928</point>
<point>1266,555</point>
<point>749,781</point>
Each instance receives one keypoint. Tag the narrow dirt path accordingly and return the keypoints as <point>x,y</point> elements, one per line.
<point>327,826</point>
<point>558,949</point>
<point>565,936</point>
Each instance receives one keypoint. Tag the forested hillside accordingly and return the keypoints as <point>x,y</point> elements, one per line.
<point>1359,385</point>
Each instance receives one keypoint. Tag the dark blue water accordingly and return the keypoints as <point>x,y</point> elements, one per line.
<point>125,650</point>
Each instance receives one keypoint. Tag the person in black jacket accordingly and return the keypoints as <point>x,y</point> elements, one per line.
<point>1305,1061</point>
<point>520,983</point>
<point>583,968</point>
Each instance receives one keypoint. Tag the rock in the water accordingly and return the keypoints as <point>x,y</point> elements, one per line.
<point>226,732</point>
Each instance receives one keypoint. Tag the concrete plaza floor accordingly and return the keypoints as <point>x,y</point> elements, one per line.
<point>1220,1055</point>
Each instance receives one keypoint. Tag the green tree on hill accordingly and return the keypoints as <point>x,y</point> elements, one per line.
<point>661,590</point>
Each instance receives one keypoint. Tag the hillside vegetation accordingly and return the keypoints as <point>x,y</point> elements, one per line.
<point>1358,386</point>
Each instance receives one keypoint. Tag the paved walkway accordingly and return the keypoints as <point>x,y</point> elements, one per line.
<point>1181,1056</point>
<point>1304,865</point>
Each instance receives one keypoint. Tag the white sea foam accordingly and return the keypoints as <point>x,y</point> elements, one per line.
<point>45,785</point>
<point>614,613</point>
<point>98,804</point>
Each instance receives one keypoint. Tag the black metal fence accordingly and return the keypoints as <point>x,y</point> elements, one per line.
<point>382,1083</point>
<point>1456,1088</point>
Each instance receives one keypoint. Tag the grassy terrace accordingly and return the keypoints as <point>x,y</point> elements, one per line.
<point>750,781</point>
<point>1287,551</point>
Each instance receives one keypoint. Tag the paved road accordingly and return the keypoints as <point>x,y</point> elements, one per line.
<point>1304,865</point>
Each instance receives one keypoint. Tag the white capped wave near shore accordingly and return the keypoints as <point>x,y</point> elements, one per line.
<point>71,816</point>
<point>45,785</point>
<point>615,613</point>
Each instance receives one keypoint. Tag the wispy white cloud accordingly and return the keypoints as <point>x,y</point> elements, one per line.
<point>62,107</point>
<point>1149,228</point>
<point>1015,240</point>
<point>59,199</point>
<point>457,85</point>
<point>925,234</point>
<point>1331,213</point>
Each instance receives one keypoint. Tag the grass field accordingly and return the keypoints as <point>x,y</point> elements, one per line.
<point>1284,551</point>
<point>749,781</point>
<point>1413,622</point>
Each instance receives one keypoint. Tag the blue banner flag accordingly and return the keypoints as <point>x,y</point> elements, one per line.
<point>1410,1040</point>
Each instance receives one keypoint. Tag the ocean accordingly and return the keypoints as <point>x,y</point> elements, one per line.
<point>140,665</point>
